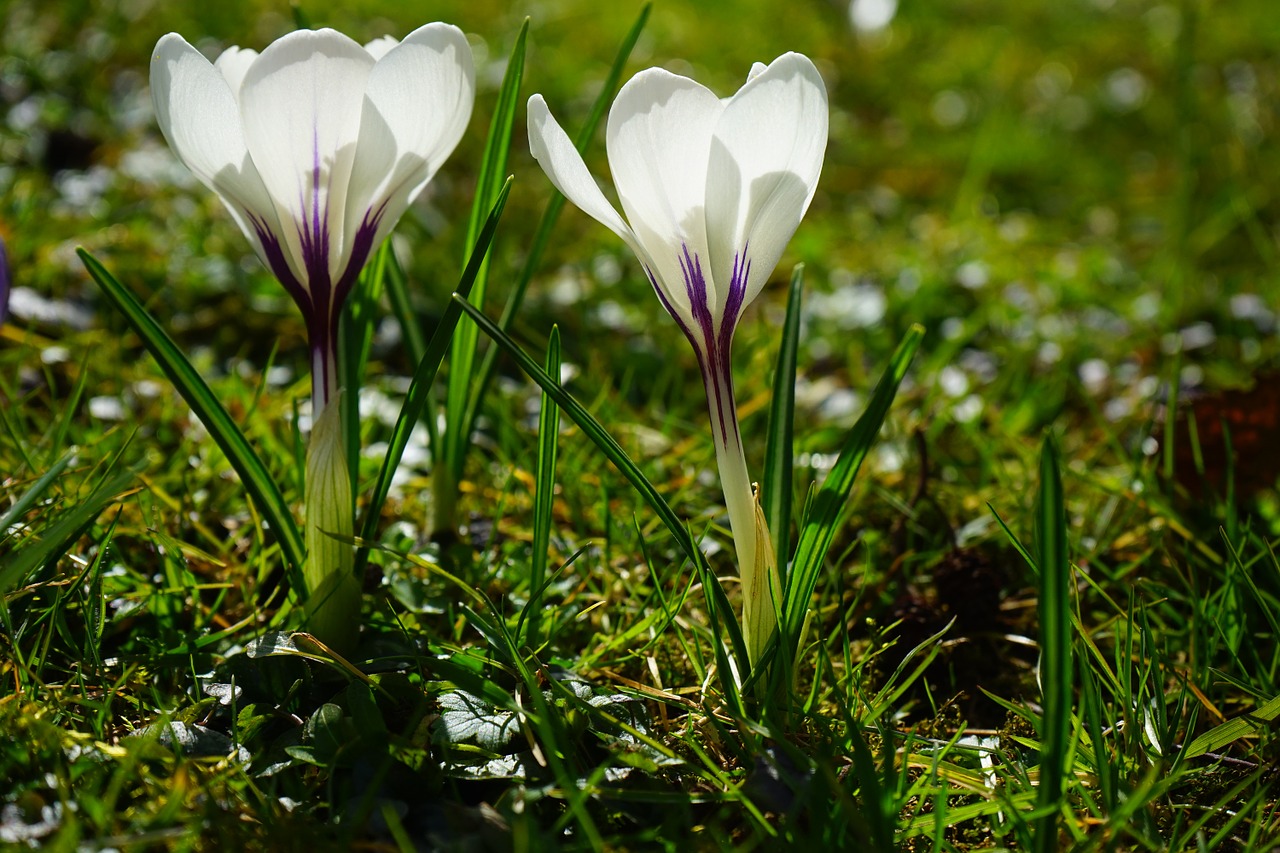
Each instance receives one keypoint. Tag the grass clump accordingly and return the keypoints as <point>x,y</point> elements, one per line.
<point>1073,204</point>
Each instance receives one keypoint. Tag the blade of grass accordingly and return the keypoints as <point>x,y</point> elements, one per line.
<point>222,429</point>
<point>356,336</point>
<point>823,515</point>
<point>544,492</point>
<point>779,450</point>
<point>423,377</point>
<point>64,530</point>
<point>31,495</point>
<point>614,452</point>
<point>1055,647</point>
<point>397,284</point>
<point>493,166</point>
<point>542,234</point>
<point>1232,730</point>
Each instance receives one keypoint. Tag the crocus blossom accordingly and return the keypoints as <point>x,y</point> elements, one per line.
<point>712,190</point>
<point>317,146</point>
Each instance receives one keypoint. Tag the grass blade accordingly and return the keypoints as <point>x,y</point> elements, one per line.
<point>253,473</point>
<point>1055,646</point>
<point>31,495</point>
<point>493,167</point>
<point>544,490</point>
<point>1232,730</point>
<point>611,449</point>
<point>420,387</point>
<point>818,529</point>
<point>359,319</point>
<point>779,449</point>
<point>397,285</point>
<point>542,235</point>
<point>64,530</point>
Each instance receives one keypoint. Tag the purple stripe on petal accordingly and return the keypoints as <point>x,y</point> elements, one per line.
<point>729,322</point>
<point>662,297</point>
<point>737,294</point>
<point>280,266</point>
<point>361,248</point>
<point>717,356</point>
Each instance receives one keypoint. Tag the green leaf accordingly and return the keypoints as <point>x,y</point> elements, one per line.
<point>550,215</point>
<point>359,319</point>
<point>779,449</point>
<point>31,495</point>
<point>825,512</point>
<point>397,285</point>
<point>1055,646</point>
<point>63,531</point>
<point>615,454</point>
<point>419,388</point>
<point>493,167</point>
<point>544,491</point>
<point>253,474</point>
<point>1232,730</point>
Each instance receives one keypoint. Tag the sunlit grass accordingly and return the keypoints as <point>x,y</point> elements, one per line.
<point>1075,203</point>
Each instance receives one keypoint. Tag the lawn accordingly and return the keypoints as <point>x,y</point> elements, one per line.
<point>1021,485</point>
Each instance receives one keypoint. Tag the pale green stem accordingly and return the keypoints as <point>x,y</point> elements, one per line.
<point>333,603</point>
<point>761,584</point>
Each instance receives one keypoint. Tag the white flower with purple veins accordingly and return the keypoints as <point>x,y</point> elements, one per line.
<point>712,190</point>
<point>317,146</point>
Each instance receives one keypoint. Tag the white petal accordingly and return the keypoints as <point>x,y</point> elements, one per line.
<point>234,64</point>
<point>559,158</point>
<point>417,104</point>
<point>379,47</point>
<point>300,103</point>
<point>199,117</point>
<point>658,137</point>
<point>765,161</point>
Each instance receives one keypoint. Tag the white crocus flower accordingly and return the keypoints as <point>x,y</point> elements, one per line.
<point>317,146</point>
<point>712,190</point>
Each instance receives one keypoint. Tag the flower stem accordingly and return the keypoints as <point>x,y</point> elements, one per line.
<point>757,566</point>
<point>333,603</point>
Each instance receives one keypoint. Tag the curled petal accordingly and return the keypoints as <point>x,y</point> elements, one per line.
<point>766,156</point>
<point>417,104</point>
<point>558,157</point>
<point>658,137</point>
<point>379,47</point>
<point>233,64</point>
<point>300,103</point>
<point>198,115</point>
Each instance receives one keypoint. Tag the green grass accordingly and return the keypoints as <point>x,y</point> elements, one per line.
<point>993,641</point>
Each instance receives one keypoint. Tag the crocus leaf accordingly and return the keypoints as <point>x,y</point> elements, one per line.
<point>419,388</point>
<point>1055,646</point>
<point>359,319</point>
<point>779,451</point>
<point>544,491</point>
<point>614,452</point>
<point>492,167</point>
<point>823,515</point>
<point>550,215</point>
<point>222,429</point>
